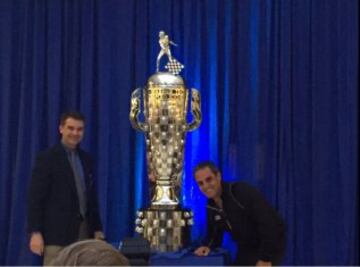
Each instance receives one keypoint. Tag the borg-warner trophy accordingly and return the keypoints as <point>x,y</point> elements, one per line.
<point>165,101</point>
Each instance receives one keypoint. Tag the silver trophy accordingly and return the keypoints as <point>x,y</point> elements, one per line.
<point>165,103</point>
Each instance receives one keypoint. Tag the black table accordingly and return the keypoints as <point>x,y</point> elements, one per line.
<point>219,257</point>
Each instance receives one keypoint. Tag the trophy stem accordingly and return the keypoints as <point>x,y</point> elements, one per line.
<point>164,197</point>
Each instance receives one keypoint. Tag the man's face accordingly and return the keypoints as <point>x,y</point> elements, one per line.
<point>209,182</point>
<point>72,132</point>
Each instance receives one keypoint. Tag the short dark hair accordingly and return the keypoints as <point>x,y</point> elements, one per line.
<point>71,114</point>
<point>90,252</point>
<point>208,163</point>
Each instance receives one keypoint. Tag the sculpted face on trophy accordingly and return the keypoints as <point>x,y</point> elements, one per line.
<point>165,103</point>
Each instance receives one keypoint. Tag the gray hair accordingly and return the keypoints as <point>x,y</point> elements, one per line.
<point>90,253</point>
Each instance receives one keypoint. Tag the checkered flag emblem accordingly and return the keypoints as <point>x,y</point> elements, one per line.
<point>174,66</point>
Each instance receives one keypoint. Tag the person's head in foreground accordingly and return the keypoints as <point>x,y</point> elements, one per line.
<point>90,253</point>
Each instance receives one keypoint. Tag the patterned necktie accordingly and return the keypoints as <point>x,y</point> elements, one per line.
<point>79,182</point>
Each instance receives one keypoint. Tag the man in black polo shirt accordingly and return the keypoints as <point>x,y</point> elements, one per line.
<point>241,210</point>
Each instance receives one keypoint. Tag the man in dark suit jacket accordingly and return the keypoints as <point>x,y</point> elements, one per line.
<point>62,202</point>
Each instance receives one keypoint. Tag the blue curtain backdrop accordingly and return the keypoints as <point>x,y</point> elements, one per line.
<point>278,81</point>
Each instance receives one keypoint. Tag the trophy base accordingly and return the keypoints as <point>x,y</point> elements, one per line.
<point>164,207</point>
<point>166,230</point>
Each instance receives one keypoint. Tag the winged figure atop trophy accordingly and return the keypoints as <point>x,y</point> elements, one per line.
<point>173,65</point>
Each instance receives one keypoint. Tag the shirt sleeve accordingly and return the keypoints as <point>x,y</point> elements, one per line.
<point>37,194</point>
<point>94,214</point>
<point>269,224</point>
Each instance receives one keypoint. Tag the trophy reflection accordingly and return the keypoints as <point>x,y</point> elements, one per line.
<point>165,103</point>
